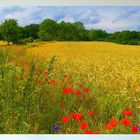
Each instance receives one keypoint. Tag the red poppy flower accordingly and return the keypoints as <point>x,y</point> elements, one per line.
<point>134,129</point>
<point>52,82</point>
<point>65,119</point>
<point>84,125</point>
<point>79,117</point>
<point>78,92</point>
<point>67,90</point>
<point>86,90</point>
<point>45,74</point>
<point>113,122</point>
<point>88,132</point>
<point>69,82</point>
<point>73,115</point>
<point>66,76</point>
<point>17,78</point>
<point>91,113</point>
<point>80,85</point>
<point>127,112</point>
<point>108,127</point>
<point>125,121</point>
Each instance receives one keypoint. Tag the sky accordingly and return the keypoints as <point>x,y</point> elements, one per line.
<point>109,18</point>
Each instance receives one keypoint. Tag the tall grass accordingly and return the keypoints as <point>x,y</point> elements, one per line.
<point>32,98</point>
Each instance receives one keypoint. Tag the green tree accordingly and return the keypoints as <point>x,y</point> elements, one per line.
<point>30,31</point>
<point>10,31</point>
<point>48,29</point>
<point>98,35</point>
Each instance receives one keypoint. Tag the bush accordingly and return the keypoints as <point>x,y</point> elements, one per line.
<point>28,40</point>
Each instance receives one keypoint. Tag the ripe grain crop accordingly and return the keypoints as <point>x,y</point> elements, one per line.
<point>70,88</point>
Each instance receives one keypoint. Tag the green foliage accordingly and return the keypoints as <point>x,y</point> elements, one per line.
<point>50,30</point>
<point>9,30</point>
<point>30,31</point>
<point>97,35</point>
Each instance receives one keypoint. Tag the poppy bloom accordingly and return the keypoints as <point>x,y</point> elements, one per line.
<point>67,90</point>
<point>127,112</point>
<point>86,90</point>
<point>108,127</point>
<point>73,115</point>
<point>52,82</point>
<point>69,82</point>
<point>78,92</point>
<point>17,79</point>
<point>113,122</point>
<point>84,125</point>
<point>56,128</point>
<point>88,132</point>
<point>91,113</point>
<point>65,119</point>
<point>134,129</point>
<point>79,117</point>
<point>45,74</point>
<point>66,76</point>
<point>125,121</point>
<point>80,85</point>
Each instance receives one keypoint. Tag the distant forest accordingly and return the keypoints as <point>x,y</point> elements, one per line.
<point>50,30</point>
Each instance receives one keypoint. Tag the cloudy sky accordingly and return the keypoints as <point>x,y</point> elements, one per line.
<point>97,17</point>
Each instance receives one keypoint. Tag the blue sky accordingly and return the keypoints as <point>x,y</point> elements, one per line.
<point>97,17</point>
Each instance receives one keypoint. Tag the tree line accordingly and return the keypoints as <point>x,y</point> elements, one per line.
<point>50,30</point>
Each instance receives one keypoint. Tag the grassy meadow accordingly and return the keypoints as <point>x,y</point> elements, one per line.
<point>69,88</point>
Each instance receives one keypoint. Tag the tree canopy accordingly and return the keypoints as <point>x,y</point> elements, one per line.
<point>49,30</point>
<point>9,30</point>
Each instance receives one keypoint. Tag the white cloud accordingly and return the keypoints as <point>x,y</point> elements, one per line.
<point>107,18</point>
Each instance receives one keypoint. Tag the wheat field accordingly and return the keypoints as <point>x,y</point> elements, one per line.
<point>95,83</point>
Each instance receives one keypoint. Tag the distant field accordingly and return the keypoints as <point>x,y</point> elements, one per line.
<point>106,63</point>
<point>97,80</point>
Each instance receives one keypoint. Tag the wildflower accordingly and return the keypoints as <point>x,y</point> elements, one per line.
<point>66,76</point>
<point>17,78</point>
<point>125,121</point>
<point>65,119</point>
<point>73,115</point>
<point>86,90</point>
<point>52,82</point>
<point>80,85</point>
<point>56,128</point>
<point>91,113</point>
<point>69,82</point>
<point>113,122</point>
<point>78,92</point>
<point>67,90</point>
<point>88,132</point>
<point>79,117</point>
<point>108,127</point>
<point>127,112</point>
<point>45,74</point>
<point>134,129</point>
<point>84,125</point>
